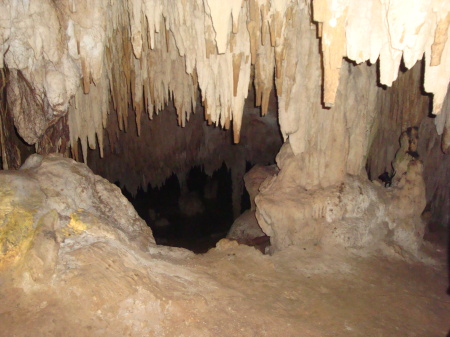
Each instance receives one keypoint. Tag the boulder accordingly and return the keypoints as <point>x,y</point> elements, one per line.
<point>55,198</point>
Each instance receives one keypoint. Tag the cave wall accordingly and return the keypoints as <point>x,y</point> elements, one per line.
<point>436,174</point>
<point>402,106</point>
<point>78,67</point>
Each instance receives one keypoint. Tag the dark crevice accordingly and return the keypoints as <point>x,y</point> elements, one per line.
<point>194,214</point>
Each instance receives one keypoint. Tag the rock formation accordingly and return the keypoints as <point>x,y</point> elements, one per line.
<point>62,198</point>
<point>71,64</point>
<point>155,50</point>
<point>142,89</point>
<point>77,261</point>
<point>355,214</point>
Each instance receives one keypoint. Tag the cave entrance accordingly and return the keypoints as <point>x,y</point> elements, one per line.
<point>192,212</point>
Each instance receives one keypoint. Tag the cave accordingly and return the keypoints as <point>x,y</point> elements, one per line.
<point>195,214</point>
<point>224,168</point>
<point>175,170</point>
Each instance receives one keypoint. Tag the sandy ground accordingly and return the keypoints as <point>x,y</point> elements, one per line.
<point>106,289</point>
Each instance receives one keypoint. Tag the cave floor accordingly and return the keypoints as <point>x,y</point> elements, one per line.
<point>104,288</point>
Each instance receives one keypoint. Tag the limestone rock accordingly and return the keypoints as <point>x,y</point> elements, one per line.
<point>405,107</point>
<point>86,265</point>
<point>255,177</point>
<point>95,54</point>
<point>245,228</point>
<point>356,214</point>
<point>55,198</point>
<point>436,174</point>
<point>406,202</point>
<point>20,211</point>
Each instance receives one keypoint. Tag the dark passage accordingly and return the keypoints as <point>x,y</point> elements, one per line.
<point>193,214</point>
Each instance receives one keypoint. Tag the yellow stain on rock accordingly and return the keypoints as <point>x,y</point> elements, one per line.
<point>76,225</point>
<point>16,234</point>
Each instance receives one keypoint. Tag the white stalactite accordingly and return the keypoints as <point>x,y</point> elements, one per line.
<point>155,50</point>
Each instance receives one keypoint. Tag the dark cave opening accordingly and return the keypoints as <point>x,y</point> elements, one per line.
<point>179,160</point>
<point>245,199</point>
<point>194,214</point>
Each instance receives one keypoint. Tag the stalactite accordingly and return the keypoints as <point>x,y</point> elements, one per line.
<point>146,52</point>
<point>164,149</point>
<point>387,30</point>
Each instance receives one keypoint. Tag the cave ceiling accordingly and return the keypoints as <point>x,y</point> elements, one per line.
<point>83,60</point>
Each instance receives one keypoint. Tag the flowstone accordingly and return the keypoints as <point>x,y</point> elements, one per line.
<point>356,214</point>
